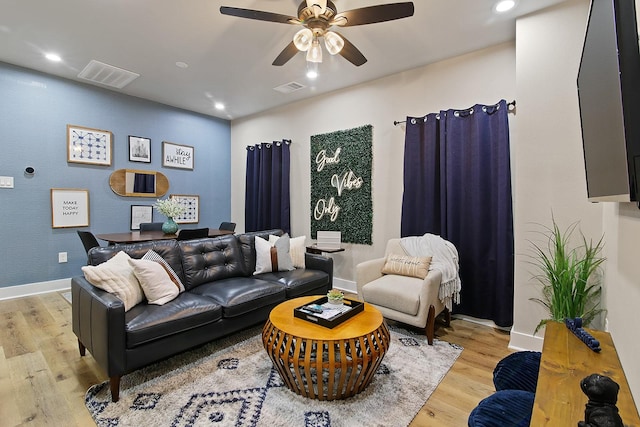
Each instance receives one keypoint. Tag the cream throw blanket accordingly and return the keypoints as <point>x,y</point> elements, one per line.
<point>444,258</point>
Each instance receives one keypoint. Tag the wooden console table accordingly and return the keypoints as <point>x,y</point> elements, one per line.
<point>565,362</point>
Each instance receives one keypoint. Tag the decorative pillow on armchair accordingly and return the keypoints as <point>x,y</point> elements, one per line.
<point>273,257</point>
<point>404,265</point>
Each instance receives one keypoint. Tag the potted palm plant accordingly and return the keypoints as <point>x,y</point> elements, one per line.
<point>569,276</point>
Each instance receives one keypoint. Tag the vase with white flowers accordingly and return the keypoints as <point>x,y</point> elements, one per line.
<point>170,208</point>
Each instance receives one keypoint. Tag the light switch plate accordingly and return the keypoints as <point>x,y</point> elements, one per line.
<point>6,182</point>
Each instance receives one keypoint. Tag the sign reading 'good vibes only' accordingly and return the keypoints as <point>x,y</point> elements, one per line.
<point>349,181</point>
<point>341,184</point>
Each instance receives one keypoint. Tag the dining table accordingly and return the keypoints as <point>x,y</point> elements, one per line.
<point>145,236</point>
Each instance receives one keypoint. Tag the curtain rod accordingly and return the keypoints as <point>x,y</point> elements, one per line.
<point>510,107</point>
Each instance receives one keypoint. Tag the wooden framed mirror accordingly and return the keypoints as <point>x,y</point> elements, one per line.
<point>138,183</point>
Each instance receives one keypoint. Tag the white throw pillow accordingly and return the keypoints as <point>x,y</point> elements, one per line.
<point>154,256</point>
<point>297,249</point>
<point>281,252</point>
<point>117,277</point>
<point>155,281</point>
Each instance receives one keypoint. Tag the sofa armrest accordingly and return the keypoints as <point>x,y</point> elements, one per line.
<point>321,263</point>
<point>98,321</point>
<point>368,271</point>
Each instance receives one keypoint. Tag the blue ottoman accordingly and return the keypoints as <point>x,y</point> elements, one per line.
<point>505,408</point>
<point>518,371</point>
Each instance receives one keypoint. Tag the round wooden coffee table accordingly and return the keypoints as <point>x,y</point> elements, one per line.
<point>322,363</point>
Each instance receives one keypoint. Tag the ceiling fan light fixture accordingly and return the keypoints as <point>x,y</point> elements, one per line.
<point>317,6</point>
<point>333,42</point>
<point>303,39</point>
<point>314,54</point>
<point>312,70</point>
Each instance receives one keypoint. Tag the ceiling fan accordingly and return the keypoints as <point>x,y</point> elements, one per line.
<point>317,17</point>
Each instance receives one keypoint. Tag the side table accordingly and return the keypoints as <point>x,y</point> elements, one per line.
<point>321,363</point>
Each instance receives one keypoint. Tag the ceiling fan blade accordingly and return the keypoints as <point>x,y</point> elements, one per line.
<point>351,53</point>
<point>286,54</point>
<point>373,14</point>
<point>258,15</point>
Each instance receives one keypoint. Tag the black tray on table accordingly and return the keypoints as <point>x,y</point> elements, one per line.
<point>353,308</point>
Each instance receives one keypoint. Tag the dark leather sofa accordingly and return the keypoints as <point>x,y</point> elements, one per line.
<point>222,296</point>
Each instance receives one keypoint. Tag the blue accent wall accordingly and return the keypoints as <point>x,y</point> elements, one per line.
<point>35,109</point>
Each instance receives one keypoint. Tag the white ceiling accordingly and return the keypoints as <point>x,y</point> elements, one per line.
<point>229,59</point>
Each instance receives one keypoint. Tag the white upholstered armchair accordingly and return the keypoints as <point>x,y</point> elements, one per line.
<point>405,299</point>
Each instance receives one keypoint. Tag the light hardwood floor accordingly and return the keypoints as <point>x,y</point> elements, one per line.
<point>43,379</point>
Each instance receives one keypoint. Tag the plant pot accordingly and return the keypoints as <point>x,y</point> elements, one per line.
<point>337,302</point>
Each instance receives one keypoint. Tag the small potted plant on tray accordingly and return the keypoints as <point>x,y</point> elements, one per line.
<point>335,296</point>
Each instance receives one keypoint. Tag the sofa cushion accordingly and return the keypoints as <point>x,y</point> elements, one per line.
<point>273,255</point>
<point>299,282</point>
<point>206,260</point>
<point>167,249</point>
<point>241,295</point>
<point>399,293</point>
<point>146,322</point>
<point>157,284</point>
<point>297,249</point>
<point>117,277</point>
<point>152,256</point>
<point>248,247</point>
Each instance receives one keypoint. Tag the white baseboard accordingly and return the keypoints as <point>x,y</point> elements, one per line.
<point>345,285</point>
<point>523,342</point>
<point>11,292</point>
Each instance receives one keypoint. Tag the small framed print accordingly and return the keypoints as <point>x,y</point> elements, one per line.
<point>177,156</point>
<point>89,146</point>
<point>191,215</point>
<point>69,207</point>
<point>139,214</point>
<point>139,149</point>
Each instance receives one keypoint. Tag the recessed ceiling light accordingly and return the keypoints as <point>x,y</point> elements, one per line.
<point>219,106</point>
<point>504,6</point>
<point>53,57</point>
<point>180,64</point>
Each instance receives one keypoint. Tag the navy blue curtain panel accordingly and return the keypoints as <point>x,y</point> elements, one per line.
<point>267,197</point>
<point>474,203</point>
<point>422,184</point>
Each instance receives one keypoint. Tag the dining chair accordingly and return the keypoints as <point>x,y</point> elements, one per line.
<point>150,226</point>
<point>88,240</point>
<point>193,233</point>
<point>230,226</point>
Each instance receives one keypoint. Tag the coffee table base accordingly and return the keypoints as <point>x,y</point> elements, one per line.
<point>326,369</point>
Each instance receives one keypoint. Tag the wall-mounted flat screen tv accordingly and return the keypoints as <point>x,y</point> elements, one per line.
<point>609,99</point>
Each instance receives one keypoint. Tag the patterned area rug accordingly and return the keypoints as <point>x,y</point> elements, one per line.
<point>232,383</point>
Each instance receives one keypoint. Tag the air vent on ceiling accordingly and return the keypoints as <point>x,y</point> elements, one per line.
<point>289,87</point>
<point>108,75</point>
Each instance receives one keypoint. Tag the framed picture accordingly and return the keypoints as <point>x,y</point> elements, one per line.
<point>69,207</point>
<point>139,149</point>
<point>191,215</point>
<point>89,146</point>
<point>140,213</point>
<point>177,156</point>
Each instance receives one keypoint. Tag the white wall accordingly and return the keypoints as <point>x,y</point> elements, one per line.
<point>481,77</point>
<point>550,175</point>
<point>540,73</point>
